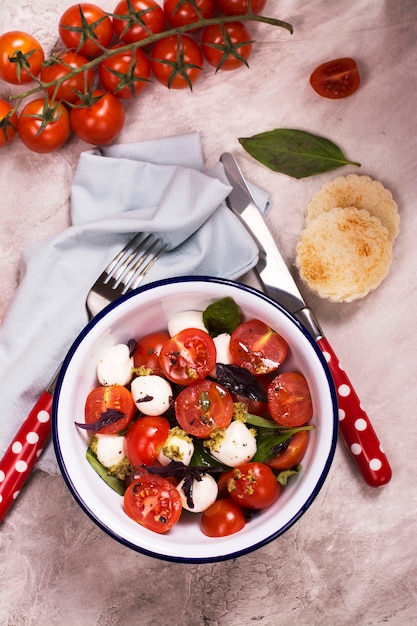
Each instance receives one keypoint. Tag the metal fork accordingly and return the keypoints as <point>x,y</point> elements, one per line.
<point>124,273</point>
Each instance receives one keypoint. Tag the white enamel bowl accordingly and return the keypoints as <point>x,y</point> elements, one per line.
<point>147,310</point>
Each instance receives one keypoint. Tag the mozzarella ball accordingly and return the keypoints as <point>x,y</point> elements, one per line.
<point>152,394</point>
<point>115,366</point>
<point>186,319</point>
<point>110,449</point>
<point>222,343</point>
<point>204,493</point>
<point>236,446</point>
<point>178,447</point>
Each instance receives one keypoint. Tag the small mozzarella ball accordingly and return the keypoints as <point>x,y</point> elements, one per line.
<point>178,447</point>
<point>186,319</point>
<point>222,343</point>
<point>204,493</point>
<point>110,449</point>
<point>115,366</point>
<point>152,394</point>
<point>236,446</point>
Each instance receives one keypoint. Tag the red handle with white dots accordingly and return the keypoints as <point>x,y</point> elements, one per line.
<point>355,427</point>
<point>23,452</point>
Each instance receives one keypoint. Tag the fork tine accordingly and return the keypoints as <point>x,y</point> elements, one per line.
<point>132,277</point>
<point>119,260</point>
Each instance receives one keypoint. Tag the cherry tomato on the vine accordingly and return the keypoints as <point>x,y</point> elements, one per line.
<point>145,438</point>
<point>253,485</point>
<point>8,123</point>
<point>227,46</point>
<point>222,518</point>
<point>188,356</point>
<point>125,74</point>
<point>86,28</point>
<point>21,57</point>
<point>61,65</point>
<point>44,126</point>
<point>100,121</point>
<point>290,400</point>
<point>293,453</point>
<point>258,348</point>
<point>177,62</point>
<point>101,399</point>
<point>137,19</point>
<point>204,407</point>
<point>336,79</point>
<point>154,502</point>
<point>239,7</point>
<point>180,13</point>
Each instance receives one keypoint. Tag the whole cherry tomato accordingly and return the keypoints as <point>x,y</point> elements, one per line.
<point>8,123</point>
<point>86,28</point>
<point>177,61</point>
<point>239,7</point>
<point>222,518</point>
<point>148,349</point>
<point>253,485</point>
<point>137,19</point>
<point>336,79</point>
<point>98,120</point>
<point>125,74</point>
<point>61,65</point>
<point>227,46</point>
<point>179,13</point>
<point>44,126</point>
<point>21,57</point>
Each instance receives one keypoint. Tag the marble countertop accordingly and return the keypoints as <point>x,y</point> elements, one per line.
<point>351,559</point>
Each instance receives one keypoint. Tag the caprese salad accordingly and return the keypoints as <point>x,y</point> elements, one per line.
<point>201,417</point>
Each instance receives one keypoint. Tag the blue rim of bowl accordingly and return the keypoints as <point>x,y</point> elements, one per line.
<point>178,559</point>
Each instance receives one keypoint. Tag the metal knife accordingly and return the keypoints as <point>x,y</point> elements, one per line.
<point>276,280</point>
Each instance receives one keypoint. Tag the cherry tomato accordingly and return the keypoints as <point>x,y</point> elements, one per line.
<point>258,348</point>
<point>137,20</point>
<point>89,40</point>
<point>204,407</point>
<point>253,486</point>
<point>239,7</point>
<point>125,74</point>
<point>148,350</point>
<point>101,399</point>
<point>293,454</point>
<point>180,13</point>
<point>336,79</point>
<point>21,57</point>
<point>177,61</point>
<point>222,518</point>
<point>188,357</point>
<point>101,121</point>
<point>227,46</point>
<point>145,438</point>
<point>59,67</point>
<point>153,502</point>
<point>8,123</point>
<point>289,400</point>
<point>44,126</point>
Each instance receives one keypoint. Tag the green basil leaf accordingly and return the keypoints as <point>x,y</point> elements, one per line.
<point>222,316</point>
<point>265,445</point>
<point>283,476</point>
<point>112,481</point>
<point>295,152</point>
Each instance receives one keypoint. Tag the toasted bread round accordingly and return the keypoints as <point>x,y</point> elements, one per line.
<point>343,254</point>
<point>361,192</point>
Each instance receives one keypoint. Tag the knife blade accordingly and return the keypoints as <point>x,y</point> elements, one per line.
<point>276,280</point>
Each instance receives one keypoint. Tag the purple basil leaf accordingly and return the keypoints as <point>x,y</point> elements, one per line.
<point>132,344</point>
<point>108,417</point>
<point>240,381</point>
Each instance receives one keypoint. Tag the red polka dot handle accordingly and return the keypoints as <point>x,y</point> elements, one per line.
<point>24,451</point>
<point>355,427</point>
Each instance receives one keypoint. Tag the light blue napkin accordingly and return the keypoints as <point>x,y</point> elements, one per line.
<point>154,186</point>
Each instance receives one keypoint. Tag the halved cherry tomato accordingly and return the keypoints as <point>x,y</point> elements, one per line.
<point>293,454</point>
<point>137,20</point>
<point>44,126</point>
<point>8,123</point>
<point>204,407</point>
<point>153,502</point>
<point>21,57</point>
<point>258,348</point>
<point>101,121</point>
<point>239,7</point>
<point>222,518</point>
<point>336,79</point>
<point>253,485</point>
<point>148,349</point>
<point>101,399</point>
<point>188,357</point>
<point>84,19</point>
<point>227,46</point>
<point>125,74</point>
<point>59,67</point>
<point>180,13</point>
<point>177,61</point>
<point>290,400</point>
<point>145,438</point>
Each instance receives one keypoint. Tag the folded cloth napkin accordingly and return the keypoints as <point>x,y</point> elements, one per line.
<point>154,186</point>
